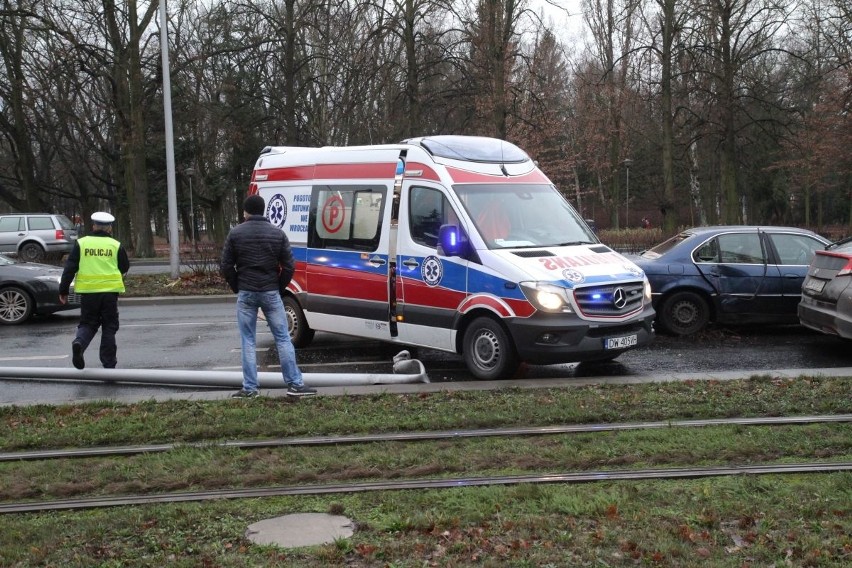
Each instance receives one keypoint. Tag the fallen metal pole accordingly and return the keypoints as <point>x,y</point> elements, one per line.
<point>266,380</point>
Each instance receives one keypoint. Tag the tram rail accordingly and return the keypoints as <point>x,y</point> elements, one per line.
<point>425,483</point>
<point>106,451</point>
<point>446,483</point>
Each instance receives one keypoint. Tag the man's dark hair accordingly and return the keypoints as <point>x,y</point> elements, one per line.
<point>254,205</point>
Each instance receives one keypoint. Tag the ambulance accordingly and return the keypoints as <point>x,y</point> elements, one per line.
<point>455,243</point>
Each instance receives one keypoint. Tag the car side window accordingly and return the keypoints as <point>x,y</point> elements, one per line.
<point>708,252</point>
<point>428,210</point>
<point>40,223</point>
<point>346,217</point>
<point>11,224</point>
<point>740,248</point>
<point>795,249</point>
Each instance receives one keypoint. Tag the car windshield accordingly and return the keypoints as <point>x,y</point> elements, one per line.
<point>842,243</point>
<point>5,260</point>
<point>665,246</point>
<point>523,215</point>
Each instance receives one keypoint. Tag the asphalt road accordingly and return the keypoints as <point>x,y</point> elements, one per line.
<point>201,334</point>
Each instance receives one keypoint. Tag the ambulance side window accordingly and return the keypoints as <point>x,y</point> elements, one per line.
<point>346,217</point>
<point>428,209</point>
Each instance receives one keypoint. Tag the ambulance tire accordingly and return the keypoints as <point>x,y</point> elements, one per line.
<point>488,351</point>
<point>300,334</point>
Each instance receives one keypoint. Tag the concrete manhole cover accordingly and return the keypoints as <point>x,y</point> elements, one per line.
<point>302,529</point>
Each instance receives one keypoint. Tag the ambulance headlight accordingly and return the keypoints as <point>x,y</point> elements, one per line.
<point>546,297</point>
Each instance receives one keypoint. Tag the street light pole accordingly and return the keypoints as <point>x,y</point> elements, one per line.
<point>174,244</point>
<point>191,172</point>
<point>627,163</point>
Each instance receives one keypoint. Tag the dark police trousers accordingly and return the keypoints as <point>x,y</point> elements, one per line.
<point>99,309</point>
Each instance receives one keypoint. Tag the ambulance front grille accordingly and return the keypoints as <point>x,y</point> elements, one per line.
<point>610,300</point>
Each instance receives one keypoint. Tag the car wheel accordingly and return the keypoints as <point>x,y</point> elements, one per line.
<point>300,334</point>
<point>31,252</point>
<point>16,306</point>
<point>683,313</point>
<point>488,351</point>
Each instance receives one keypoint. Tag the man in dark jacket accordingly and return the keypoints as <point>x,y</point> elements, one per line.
<point>257,263</point>
<point>99,263</point>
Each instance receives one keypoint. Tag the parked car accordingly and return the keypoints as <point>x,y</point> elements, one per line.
<point>27,288</point>
<point>33,236</point>
<point>729,275</point>
<point>826,304</point>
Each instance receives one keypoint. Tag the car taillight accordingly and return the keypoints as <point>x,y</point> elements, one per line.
<point>60,235</point>
<point>847,269</point>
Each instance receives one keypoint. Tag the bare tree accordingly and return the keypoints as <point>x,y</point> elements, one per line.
<point>17,21</point>
<point>612,26</point>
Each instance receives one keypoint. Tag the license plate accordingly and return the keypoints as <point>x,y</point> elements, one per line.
<point>620,342</point>
<point>814,285</point>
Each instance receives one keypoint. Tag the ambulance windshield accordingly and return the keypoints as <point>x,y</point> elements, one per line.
<point>523,216</point>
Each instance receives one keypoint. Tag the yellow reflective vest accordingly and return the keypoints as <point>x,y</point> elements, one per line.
<point>98,268</point>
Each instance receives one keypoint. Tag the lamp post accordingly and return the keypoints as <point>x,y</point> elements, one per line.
<point>627,162</point>
<point>191,172</point>
<point>174,245</point>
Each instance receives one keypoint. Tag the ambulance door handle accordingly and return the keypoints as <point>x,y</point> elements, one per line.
<point>410,263</point>
<point>377,260</point>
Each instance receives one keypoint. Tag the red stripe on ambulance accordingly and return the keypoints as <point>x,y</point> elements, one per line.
<point>328,171</point>
<point>464,176</point>
<point>493,303</point>
<point>418,293</point>
<point>346,283</point>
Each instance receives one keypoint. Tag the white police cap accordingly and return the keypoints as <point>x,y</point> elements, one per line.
<point>102,218</point>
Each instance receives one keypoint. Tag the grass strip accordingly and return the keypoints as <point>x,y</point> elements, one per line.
<point>107,423</point>
<point>798,520</point>
<point>196,469</point>
<point>792,520</point>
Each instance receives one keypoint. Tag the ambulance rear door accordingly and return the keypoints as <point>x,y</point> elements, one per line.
<point>430,287</point>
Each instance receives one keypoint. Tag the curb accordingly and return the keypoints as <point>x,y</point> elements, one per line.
<point>212,394</point>
<point>170,300</point>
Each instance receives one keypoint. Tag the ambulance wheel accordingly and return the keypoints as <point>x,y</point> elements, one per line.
<point>488,351</point>
<point>300,334</point>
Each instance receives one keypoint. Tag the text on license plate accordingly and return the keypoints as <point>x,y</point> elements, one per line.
<point>620,342</point>
<point>815,285</point>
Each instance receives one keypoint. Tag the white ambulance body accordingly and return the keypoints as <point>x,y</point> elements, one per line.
<point>454,243</point>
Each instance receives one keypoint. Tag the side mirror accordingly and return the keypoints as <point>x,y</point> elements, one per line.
<point>450,241</point>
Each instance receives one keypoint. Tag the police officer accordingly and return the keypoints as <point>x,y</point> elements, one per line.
<point>99,263</point>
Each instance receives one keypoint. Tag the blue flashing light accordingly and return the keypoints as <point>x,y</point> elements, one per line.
<point>400,167</point>
<point>449,237</point>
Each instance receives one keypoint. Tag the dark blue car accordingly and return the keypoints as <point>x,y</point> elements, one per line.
<point>728,275</point>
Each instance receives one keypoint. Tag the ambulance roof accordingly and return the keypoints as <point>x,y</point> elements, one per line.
<point>471,149</point>
<point>463,148</point>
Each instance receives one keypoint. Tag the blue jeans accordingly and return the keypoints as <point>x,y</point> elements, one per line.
<point>273,308</point>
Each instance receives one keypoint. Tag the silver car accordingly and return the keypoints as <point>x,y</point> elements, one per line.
<point>34,236</point>
<point>826,304</point>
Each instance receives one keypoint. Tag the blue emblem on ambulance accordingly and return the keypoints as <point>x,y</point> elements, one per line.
<point>634,270</point>
<point>432,270</point>
<point>573,276</point>
<point>276,210</point>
